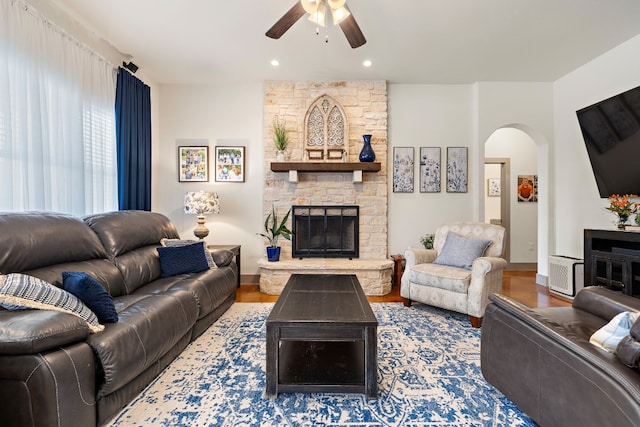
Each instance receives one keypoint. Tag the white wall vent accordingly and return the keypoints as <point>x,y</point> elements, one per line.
<point>566,275</point>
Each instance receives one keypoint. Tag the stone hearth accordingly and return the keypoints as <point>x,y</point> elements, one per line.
<point>374,275</point>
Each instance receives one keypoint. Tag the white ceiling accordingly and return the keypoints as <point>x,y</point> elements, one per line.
<point>409,41</point>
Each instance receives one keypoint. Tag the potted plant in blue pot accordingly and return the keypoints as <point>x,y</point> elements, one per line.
<point>273,230</point>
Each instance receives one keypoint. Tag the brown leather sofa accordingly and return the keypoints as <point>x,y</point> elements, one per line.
<point>53,372</point>
<point>542,360</point>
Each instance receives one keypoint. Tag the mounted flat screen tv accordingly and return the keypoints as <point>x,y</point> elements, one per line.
<point>611,132</point>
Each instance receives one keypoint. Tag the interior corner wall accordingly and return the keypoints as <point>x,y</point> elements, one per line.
<point>576,198</point>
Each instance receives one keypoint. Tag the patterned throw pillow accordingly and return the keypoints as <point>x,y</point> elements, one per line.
<point>461,251</point>
<point>20,292</point>
<point>179,242</point>
<point>176,260</point>
<point>92,293</point>
<point>608,337</point>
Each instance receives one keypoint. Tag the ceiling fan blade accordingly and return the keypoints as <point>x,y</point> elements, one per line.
<point>287,20</point>
<point>352,31</point>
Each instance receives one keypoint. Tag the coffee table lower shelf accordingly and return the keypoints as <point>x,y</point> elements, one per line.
<point>321,367</point>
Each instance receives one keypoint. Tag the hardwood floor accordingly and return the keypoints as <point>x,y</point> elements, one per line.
<point>519,285</point>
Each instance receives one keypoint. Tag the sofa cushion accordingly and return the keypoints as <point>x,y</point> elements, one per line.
<point>180,242</point>
<point>608,337</point>
<point>149,326</point>
<point>182,259</point>
<point>441,276</point>
<point>27,240</point>
<point>92,293</point>
<point>19,291</point>
<point>461,251</point>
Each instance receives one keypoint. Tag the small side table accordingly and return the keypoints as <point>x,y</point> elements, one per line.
<point>233,248</point>
<point>398,268</point>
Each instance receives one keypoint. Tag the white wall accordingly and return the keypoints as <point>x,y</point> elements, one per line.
<point>523,154</point>
<point>428,116</point>
<point>576,198</point>
<point>221,115</point>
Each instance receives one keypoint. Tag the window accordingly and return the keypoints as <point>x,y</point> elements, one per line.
<point>57,119</point>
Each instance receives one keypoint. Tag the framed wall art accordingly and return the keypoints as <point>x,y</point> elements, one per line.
<point>430,169</point>
<point>527,188</point>
<point>493,187</point>
<point>403,169</point>
<point>229,164</point>
<point>193,164</point>
<point>457,169</point>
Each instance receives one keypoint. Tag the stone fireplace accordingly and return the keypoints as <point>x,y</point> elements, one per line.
<point>365,106</point>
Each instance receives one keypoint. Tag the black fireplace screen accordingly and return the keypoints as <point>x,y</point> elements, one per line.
<point>325,231</point>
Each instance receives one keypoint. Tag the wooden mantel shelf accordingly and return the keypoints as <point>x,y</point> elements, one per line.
<point>325,167</point>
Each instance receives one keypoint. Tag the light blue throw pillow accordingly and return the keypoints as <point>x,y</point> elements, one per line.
<point>460,251</point>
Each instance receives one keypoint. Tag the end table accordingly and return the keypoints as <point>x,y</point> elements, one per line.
<point>398,268</point>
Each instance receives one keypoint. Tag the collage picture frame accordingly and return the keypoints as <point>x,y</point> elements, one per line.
<point>193,163</point>
<point>230,163</point>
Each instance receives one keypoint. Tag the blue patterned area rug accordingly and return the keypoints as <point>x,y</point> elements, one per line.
<point>428,375</point>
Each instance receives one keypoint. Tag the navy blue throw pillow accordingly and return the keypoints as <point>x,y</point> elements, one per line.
<point>92,294</point>
<point>176,260</point>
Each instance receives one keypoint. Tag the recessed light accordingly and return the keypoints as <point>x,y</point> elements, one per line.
<point>275,62</point>
<point>367,63</point>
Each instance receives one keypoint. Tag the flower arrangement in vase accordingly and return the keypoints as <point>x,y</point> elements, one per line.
<point>623,207</point>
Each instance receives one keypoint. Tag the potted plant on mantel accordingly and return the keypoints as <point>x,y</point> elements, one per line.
<point>273,230</point>
<point>280,138</point>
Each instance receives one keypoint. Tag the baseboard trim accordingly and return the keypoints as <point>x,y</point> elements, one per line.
<point>250,279</point>
<point>522,266</point>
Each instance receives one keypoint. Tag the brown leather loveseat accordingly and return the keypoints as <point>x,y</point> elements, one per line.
<point>543,361</point>
<point>53,371</point>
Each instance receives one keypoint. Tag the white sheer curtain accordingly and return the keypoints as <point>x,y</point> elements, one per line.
<point>57,118</point>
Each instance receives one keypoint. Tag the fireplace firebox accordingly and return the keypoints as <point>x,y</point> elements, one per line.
<point>325,231</point>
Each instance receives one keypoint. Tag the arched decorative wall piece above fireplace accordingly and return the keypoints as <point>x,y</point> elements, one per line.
<point>326,131</point>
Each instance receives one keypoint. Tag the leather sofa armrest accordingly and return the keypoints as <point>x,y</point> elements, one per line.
<point>222,257</point>
<point>604,302</point>
<point>35,331</point>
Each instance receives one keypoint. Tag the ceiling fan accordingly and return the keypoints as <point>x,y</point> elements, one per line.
<point>317,10</point>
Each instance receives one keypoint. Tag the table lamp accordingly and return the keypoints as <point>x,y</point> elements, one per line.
<point>201,203</point>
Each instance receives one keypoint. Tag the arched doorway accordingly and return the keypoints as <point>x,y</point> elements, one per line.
<point>515,153</point>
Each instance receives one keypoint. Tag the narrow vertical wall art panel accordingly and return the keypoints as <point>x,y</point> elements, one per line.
<point>403,169</point>
<point>430,170</point>
<point>457,169</point>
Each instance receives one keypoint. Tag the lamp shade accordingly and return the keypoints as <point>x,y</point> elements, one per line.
<point>201,203</point>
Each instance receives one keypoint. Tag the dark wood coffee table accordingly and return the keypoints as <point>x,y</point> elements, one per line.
<point>322,338</point>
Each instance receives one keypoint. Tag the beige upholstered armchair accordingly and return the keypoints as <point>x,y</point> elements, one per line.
<point>461,270</point>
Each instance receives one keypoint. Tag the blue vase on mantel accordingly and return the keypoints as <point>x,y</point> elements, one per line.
<point>367,154</point>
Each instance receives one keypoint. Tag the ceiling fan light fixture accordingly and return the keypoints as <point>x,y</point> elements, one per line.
<point>336,4</point>
<point>319,17</point>
<point>339,14</point>
<point>309,6</point>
